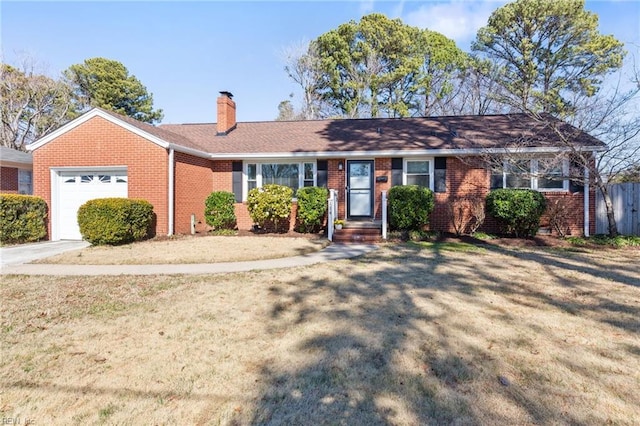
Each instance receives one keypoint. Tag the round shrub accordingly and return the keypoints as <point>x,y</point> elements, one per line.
<point>517,210</point>
<point>270,205</point>
<point>312,206</point>
<point>219,210</point>
<point>115,220</point>
<point>410,207</point>
<point>22,218</point>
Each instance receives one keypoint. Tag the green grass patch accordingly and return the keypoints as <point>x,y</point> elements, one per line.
<point>413,235</point>
<point>108,308</point>
<point>223,232</point>
<point>446,246</point>
<point>483,236</point>
<point>106,412</point>
<point>620,241</point>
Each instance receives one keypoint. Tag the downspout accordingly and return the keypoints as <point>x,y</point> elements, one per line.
<point>586,201</point>
<point>171,192</point>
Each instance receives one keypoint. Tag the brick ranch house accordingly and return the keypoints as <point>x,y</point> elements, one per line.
<point>16,169</point>
<point>176,166</point>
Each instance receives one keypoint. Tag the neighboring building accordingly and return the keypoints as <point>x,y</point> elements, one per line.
<point>16,171</point>
<point>175,167</point>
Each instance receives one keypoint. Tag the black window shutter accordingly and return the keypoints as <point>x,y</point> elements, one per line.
<point>496,181</point>
<point>322,167</point>
<point>496,178</point>
<point>236,168</point>
<point>440,174</point>
<point>576,173</point>
<point>396,171</point>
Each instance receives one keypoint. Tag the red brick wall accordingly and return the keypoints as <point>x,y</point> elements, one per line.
<point>242,215</point>
<point>9,180</point>
<point>222,177</point>
<point>574,203</point>
<point>463,179</point>
<point>382,168</point>
<point>99,142</point>
<point>193,184</point>
<point>336,179</point>
<point>468,178</point>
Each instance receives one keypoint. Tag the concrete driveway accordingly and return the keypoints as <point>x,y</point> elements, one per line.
<point>25,253</point>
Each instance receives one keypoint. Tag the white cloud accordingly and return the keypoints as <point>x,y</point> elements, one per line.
<point>458,20</point>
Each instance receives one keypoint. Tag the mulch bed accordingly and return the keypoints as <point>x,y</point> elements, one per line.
<point>548,241</point>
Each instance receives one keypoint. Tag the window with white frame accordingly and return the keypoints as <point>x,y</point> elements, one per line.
<point>252,176</point>
<point>309,174</point>
<point>25,182</point>
<point>544,174</point>
<point>418,172</point>
<point>551,173</point>
<point>293,175</point>
<point>517,174</point>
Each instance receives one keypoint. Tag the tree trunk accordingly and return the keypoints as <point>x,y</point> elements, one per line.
<point>611,218</point>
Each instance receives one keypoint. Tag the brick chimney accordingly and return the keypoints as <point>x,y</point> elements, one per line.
<point>226,114</point>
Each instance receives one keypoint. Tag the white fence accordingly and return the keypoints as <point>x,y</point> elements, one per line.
<point>626,206</point>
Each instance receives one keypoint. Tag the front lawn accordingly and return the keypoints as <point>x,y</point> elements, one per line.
<point>408,334</point>
<point>188,249</point>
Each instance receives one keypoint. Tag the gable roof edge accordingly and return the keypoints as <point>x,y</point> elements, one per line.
<point>96,112</point>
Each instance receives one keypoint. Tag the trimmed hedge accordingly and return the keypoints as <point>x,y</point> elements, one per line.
<point>312,206</point>
<point>518,211</point>
<point>410,207</point>
<point>22,218</point>
<point>115,220</point>
<point>270,205</point>
<point>219,210</point>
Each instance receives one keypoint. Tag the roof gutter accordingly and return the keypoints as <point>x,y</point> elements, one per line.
<point>397,153</point>
<point>190,151</point>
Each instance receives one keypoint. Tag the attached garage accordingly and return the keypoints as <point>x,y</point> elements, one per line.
<point>101,155</point>
<point>73,188</point>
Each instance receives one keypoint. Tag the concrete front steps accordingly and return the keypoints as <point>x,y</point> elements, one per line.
<point>359,232</point>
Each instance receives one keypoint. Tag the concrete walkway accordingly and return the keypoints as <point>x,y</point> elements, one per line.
<point>332,252</point>
<point>25,253</point>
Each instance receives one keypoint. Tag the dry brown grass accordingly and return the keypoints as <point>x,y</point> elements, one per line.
<point>408,334</point>
<point>187,249</point>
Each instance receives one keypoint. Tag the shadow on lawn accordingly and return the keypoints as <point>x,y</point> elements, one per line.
<point>561,265</point>
<point>389,358</point>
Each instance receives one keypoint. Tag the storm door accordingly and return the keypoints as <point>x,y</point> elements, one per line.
<point>360,189</point>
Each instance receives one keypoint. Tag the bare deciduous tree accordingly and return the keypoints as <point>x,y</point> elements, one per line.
<point>613,117</point>
<point>302,67</point>
<point>32,104</point>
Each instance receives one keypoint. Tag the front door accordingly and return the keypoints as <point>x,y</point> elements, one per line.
<point>360,189</point>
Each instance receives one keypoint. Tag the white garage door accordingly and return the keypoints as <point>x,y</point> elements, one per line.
<point>76,188</point>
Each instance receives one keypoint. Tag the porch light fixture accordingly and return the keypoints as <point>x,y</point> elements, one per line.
<point>340,166</point>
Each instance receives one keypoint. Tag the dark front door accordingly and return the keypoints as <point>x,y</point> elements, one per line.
<point>360,189</point>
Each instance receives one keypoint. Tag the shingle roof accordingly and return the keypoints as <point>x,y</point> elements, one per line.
<point>447,133</point>
<point>15,156</point>
<point>156,131</point>
<point>380,134</point>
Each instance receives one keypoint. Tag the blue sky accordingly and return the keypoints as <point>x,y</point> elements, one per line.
<point>186,52</point>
